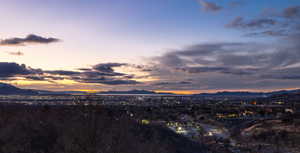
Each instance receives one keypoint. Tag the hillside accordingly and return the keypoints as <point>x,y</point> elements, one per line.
<point>84,129</point>
<point>6,89</point>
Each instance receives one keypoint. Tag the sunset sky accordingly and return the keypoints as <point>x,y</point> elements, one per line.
<point>182,46</point>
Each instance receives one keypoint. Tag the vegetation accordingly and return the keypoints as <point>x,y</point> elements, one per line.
<point>83,129</point>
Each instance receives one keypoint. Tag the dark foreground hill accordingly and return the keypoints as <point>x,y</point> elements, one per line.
<point>7,89</point>
<point>70,129</point>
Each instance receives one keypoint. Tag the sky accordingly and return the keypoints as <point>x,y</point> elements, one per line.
<point>180,46</point>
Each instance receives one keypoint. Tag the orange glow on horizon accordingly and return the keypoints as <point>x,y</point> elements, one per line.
<point>70,85</point>
<point>189,92</point>
<point>186,92</point>
<point>27,82</point>
<point>87,90</point>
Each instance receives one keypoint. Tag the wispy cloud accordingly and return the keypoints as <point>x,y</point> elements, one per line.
<point>293,11</point>
<point>209,6</point>
<point>272,23</point>
<point>238,65</point>
<point>30,39</point>
<point>17,53</point>
<point>239,22</point>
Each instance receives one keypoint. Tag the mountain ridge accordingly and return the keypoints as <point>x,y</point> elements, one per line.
<point>7,89</point>
<point>133,92</point>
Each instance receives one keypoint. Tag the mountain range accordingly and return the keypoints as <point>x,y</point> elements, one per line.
<point>134,92</point>
<point>247,94</point>
<point>7,89</point>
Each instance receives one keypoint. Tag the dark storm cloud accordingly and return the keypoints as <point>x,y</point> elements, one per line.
<point>92,74</point>
<point>284,74</point>
<point>35,78</point>
<point>63,72</point>
<point>85,69</point>
<point>209,6</point>
<point>202,69</point>
<point>97,71</point>
<point>108,81</point>
<point>103,69</point>
<point>28,39</point>
<point>44,78</point>
<point>120,82</point>
<point>13,69</point>
<point>86,73</point>
<point>10,70</point>
<point>143,68</point>
<point>107,67</point>
<point>102,73</point>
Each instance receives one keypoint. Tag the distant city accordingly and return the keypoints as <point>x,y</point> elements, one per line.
<point>224,121</point>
